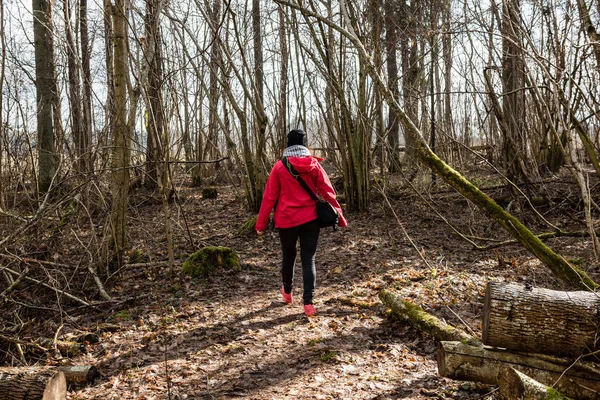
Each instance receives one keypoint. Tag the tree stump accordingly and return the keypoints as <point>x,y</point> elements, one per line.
<point>208,260</point>
<point>480,364</point>
<point>540,320</point>
<point>32,384</point>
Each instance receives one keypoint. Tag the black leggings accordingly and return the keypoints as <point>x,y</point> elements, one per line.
<point>309,237</point>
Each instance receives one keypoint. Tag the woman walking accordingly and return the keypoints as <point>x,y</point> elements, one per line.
<point>295,213</point>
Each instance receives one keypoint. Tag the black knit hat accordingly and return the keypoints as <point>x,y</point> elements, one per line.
<point>296,137</point>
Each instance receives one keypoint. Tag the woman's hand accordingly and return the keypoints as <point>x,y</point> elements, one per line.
<point>260,233</point>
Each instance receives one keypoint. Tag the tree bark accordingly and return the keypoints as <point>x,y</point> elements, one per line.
<point>86,125</point>
<point>391,44</point>
<point>2,71</point>
<point>29,384</point>
<point>282,124</point>
<point>516,385</point>
<point>74,375</point>
<point>45,86</point>
<point>463,362</point>
<point>423,320</point>
<point>109,107</point>
<point>590,29</point>
<point>154,102</point>
<point>75,99</point>
<point>540,320</point>
<point>121,139</point>
<point>261,121</point>
<point>514,146</point>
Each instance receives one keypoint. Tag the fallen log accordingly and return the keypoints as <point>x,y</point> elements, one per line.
<point>74,375</point>
<point>481,364</point>
<point>426,322</point>
<point>78,376</point>
<point>544,321</point>
<point>516,385</point>
<point>32,384</point>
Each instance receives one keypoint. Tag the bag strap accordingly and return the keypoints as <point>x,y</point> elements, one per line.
<point>297,176</point>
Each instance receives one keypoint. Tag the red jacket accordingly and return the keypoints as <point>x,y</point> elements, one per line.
<point>294,205</point>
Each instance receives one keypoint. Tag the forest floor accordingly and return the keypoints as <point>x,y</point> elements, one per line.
<point>231,335</point>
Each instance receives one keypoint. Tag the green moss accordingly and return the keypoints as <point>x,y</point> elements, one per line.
<point>328,356</point>
<point>122,315</point>
<point>209,260</point>
<point>553,394</point>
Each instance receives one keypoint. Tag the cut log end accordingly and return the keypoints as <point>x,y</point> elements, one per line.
<point>56,387</point>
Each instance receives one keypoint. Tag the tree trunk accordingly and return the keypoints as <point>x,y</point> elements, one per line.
<point>86,125</point>
<point>410,20</point>
<point>2,70</point>
<point>391,44</point>
<point>516,385</point>
<point>121,139</point>
<point>513,101</point>
<point>210,149</point>
<point>423,320</point>
<point>75,99</point>
<point>109,107</point>
<point>260,118</point>
<point>154,103</point>
<point>589,28</point>
<point>30,384</point>
<point>282,125</point>
<point>540,320</point>
<point>463,362</point>
<point>44,83</point>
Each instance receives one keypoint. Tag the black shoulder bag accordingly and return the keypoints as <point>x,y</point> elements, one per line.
<point>327,215</point>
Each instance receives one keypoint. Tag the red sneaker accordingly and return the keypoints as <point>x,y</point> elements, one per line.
<point>286,297</point>
<point>309,310</point>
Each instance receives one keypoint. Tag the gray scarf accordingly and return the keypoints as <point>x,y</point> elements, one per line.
<point>296,151</point>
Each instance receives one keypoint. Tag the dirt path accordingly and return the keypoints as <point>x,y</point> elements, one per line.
<point>233,337</point>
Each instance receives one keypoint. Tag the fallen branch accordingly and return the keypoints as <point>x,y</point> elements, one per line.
<point>425,321</point>
<point>58,291</point>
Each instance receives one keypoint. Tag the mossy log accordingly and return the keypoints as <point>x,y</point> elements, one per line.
<point>32,384</point>
<point>208,260</point>
<point>424,321</point>
<point>483,364</point>
<point>516,385</point>
<point>543,321</point>
<point>557,264</point>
